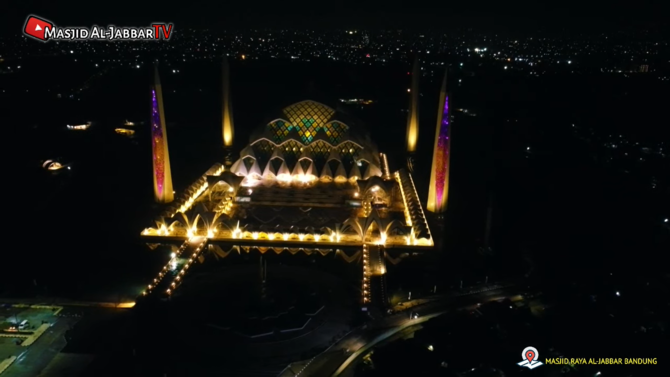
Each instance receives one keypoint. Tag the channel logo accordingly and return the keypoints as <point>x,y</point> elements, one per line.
<point>44,31</point>
<point>530,358</point>
<point>36,28</point>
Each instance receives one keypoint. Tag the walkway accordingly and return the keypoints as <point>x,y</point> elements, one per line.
<point>172,274</point>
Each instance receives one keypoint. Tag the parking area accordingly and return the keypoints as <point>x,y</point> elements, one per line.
<point>13,315</point>
<point>10,346</point>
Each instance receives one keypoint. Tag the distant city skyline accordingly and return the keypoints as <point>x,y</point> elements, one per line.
<point>483,16</point>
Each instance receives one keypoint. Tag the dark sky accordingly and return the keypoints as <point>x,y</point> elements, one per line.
<point>486,14</point>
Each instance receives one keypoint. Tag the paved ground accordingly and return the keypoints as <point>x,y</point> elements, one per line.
<point>11,315</point>
<point>34,359</point>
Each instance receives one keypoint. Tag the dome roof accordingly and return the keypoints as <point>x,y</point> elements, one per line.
<point>308,121</point>
<point>309,135</point>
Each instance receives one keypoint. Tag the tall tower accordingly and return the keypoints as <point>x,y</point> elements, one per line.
<point>413,116</point>
<point>227,125</point>
<point>162,174</point>
<point>438,190</point>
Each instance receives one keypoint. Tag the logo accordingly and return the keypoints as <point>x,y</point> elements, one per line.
<point>36,28</point>
<point>530,358</point>
<point>44,31</point>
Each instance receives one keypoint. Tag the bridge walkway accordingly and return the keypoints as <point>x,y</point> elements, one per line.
<point>171,275</point>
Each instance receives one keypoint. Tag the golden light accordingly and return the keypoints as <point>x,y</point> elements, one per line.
<point>317,237</point>
<point>284,178</point>
<point>285,236</point>
<point>301,237</point>
<point>210,233</point>
<point>123,131</point>
<point>271,236</point>
<point>244,57</point>
<point>254,235</point>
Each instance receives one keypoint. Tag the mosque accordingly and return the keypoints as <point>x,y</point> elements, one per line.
<point>311,180</point>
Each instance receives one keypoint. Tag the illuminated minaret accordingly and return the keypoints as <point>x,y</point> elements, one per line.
<point>413,116</point>
<point>438,190</point>
<point>227,125</point>
<point>162,173</point>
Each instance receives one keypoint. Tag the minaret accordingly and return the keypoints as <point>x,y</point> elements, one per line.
<point>227,125</point>
<point>438,190</point>
<point>413,116</point>
<point>162,174</point>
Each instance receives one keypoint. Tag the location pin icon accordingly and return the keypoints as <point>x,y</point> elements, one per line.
<point>530,355</point>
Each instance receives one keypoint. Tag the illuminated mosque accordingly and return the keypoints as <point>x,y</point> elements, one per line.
<point>309,181</point>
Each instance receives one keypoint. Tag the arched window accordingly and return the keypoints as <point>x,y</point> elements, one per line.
<point>263,149</point>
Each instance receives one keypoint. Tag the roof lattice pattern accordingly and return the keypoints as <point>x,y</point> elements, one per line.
<point>308,114</point>
<point>280,130</point>
<point>304,121</point>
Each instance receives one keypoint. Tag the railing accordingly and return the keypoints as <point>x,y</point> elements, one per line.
<point>366,289</point>
<point>414,214</point>
<point>160,282</point>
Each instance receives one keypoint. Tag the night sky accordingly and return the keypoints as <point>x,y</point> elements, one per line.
<point>485,15</point>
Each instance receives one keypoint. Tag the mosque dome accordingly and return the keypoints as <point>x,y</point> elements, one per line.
<point>324,139</point>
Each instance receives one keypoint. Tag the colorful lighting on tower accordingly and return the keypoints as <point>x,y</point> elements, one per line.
<point>161,158</point>
<point>439,176</point>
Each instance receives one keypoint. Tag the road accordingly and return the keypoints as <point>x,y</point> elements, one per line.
<point>350,362</point>
<point>339,360</point>
<point>37,356</point>
<point>55,301</point>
